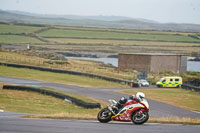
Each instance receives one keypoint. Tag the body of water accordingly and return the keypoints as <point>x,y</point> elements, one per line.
<point>193,66</point>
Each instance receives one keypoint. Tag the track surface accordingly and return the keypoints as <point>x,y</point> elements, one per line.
<point>9,123</point>
<point>157,109</point>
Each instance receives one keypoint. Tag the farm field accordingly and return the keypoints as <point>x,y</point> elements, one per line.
<point>116,35</point>
<point>118,42</point>
<point>153,32</point>
<point>114,46</point>
<point>105,40</point>
<point>12,28</point>
<point>16,39</point>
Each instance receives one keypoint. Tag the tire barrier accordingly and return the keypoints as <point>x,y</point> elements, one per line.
<point>70,72</point>
<point>67,98</point>
<point>190,87</point>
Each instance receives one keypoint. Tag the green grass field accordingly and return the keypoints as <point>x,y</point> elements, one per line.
<point>123,46</point>
<point>182,98</point>
<point>56,77</point>
<point>14,39</point>
<point>114,35</point>
<point>121,30</point>
<point>17,28</point>
<point>91,42</point>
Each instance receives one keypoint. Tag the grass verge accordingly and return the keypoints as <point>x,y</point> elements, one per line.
<point>35,103</point>
<point>56,77</point>
<point>169,120</point>
<point>1,85</point>
<point>182,98</point>
<point>175,120</point>
<point>64,116</point>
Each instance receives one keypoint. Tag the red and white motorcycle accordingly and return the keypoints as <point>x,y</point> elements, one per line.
<point>132,110</point>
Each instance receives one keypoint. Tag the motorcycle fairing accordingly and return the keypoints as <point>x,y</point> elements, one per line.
<point>126,112</point>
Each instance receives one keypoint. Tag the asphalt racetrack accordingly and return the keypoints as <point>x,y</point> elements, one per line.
<point>11,123</point>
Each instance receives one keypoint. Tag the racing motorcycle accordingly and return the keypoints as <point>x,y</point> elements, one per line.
<point>135,111</point>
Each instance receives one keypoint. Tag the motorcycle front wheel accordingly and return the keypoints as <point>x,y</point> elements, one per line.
<point>104,115</point>
<point>139,117</point>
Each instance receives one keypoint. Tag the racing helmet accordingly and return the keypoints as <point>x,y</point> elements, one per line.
<point>140,96</point>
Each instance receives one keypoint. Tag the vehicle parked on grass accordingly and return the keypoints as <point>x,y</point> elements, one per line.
<point>170,82</point>
<point>133,110</point>
<point>143,83</point>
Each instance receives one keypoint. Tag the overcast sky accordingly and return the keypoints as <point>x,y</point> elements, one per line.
<point>178,11</point>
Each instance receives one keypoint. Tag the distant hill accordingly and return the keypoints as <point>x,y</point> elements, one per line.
<point>100,17</point>
<point>95,21</point>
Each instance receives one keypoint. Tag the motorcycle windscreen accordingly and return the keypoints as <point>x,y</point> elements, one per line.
<point>145,102</point>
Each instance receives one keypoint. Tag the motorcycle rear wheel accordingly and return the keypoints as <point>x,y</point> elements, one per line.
<point>139,118</point>
<point>104,115</point>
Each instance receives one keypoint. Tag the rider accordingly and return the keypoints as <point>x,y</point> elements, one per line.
<point>139,96</point>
